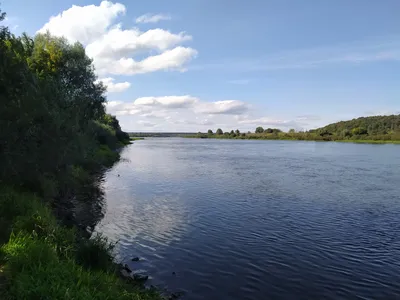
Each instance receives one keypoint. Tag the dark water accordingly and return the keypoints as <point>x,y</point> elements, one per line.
<point>259,219</point>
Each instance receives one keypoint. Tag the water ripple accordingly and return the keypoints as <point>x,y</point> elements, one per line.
<point>259,219</point>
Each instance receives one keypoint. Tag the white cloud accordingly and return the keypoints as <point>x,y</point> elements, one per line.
<point>191,114</point>
<point>182,112</point>
<point>152,18</point>
<point>232,107</point>
<point>167,101</point>
<point>308,118</point>
<point>270,122</point>
<point>113,48</point>
<point>120,108</point>
<point>162,107</point>
<point>114,87</point>
<point>173,59</point>
<point>146,123</point>
<point>118,43</point>
<point>84,23</point>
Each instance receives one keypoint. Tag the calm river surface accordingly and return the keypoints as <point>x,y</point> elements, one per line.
<point>259,219</point>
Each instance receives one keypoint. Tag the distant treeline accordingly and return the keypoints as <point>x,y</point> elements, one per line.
<point>376,128</point>
<point>160,134</point>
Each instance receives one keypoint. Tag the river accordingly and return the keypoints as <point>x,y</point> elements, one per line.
<point>240,219</point>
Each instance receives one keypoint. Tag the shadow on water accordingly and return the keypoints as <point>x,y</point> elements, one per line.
<point>82,207</point>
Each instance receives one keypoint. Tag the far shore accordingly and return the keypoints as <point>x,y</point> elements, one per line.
<point>255,137</point>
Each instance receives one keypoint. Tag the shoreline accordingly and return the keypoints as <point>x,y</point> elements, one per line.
<point>366,141</point>
<point>39,255</point>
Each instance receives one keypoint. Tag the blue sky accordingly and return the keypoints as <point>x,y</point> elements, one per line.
<point>199,64</point>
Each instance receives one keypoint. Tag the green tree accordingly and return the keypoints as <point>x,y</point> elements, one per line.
<point>292,130</point>
<point>210,132</point>
<point>219,131</point>
<point>269,130</point>
<point>52,110</point>
<point>259,129</point>
<point>359,131</point>
<point>237,132</point>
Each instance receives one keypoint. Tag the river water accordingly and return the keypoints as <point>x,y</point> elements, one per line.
<point>240,219</point>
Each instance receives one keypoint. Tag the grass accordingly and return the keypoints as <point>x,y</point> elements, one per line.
<point>136,138</point>
<point>369,141</point>
<point>40,259</point>
<point>105,156</point>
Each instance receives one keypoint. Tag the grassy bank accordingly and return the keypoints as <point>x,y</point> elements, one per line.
<point>369,141</point>
<point>136,138</point>
<point>40,259</point>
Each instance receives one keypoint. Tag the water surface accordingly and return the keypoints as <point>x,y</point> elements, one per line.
<point>226,219</point>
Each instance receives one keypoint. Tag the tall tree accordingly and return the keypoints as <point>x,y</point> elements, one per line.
<point>259,129</point>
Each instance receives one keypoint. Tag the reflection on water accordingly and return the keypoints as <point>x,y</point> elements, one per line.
<point>259,219</point>
<point>83,206</point>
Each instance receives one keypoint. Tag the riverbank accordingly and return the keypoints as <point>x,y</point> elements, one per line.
<point>41,258</point>
<point>55,140</point>
<point>136,138</point>
<point>254,136</point>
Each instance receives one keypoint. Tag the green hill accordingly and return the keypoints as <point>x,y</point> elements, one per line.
<point>376,126</point>
<point>376,129</point>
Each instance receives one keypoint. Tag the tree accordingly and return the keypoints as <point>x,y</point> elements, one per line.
<point>210,131</point>
<point>237,132</point>
<point>259,129</point>
<point>232,132</point>
<point>292,130</point>
<point>269,130</point>
<point>359,131</point>
<point>219,131</point>
<point>52,112</point>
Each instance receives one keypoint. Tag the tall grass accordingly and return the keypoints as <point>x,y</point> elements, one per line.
<point>41,259</point>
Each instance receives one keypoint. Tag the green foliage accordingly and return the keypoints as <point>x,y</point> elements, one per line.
<point>259,129</point>
<point>219,131</point>
<point>135,138</point>
<point>210,131</point>
<point>95,253</point>
<point>38,273</point>
<point>54,133</point>
<point>43,260</point>
<point>52,113</point>
<point>376,129</point>
<point>106,156</point>
<point>372,126</point>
